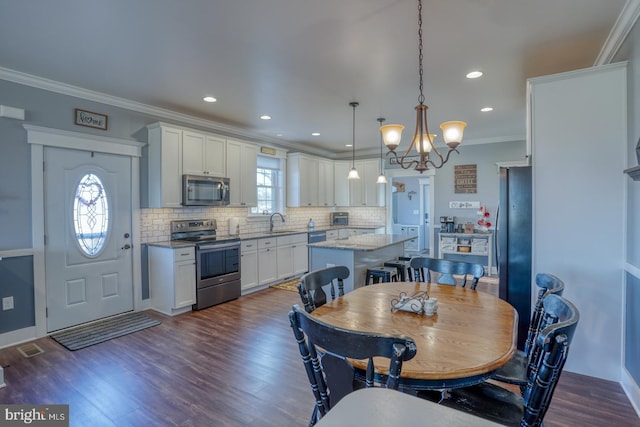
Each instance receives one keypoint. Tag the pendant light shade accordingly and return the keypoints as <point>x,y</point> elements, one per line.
<point>353,173</point>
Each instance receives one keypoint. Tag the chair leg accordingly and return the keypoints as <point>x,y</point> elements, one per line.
<point>314,417</point>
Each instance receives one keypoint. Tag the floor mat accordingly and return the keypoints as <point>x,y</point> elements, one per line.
<point>288,285</point>
<point>103,330</point>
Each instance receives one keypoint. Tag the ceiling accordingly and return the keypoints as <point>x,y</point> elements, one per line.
<point>303,61</point>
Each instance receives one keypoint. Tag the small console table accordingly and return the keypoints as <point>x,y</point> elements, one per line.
<point>478,244</point>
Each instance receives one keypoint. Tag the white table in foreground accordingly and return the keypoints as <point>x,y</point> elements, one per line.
<point>381,407</point>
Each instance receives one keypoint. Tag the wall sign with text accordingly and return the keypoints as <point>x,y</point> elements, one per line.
<point>91,119</point>
<point>465,178</point>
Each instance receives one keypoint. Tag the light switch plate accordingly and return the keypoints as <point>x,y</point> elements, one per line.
<point>7,303</point>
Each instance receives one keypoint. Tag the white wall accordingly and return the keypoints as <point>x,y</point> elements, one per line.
<point>579,139</point>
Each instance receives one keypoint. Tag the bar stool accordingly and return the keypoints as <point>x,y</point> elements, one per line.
<point>383,274</point>
<point>402,266</point>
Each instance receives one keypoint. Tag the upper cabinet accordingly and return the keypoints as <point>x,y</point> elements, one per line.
<point>164,177</point>
<point>309,181</point>
<point>326,195</point>
<point>365,191</point>
<point>174,151</point>
<point>242,162</point>
<point>203,154</point>
<point>340,182</point>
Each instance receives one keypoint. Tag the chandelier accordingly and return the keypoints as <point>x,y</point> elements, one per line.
<point>452,131</point>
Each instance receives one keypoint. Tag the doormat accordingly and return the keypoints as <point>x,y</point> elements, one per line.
<point>288,285</point>
<point>103,330</point>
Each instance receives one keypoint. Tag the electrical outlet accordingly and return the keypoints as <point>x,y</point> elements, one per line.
<point>7,303</point>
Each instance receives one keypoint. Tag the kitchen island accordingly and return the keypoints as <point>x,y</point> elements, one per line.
<point>357,253</point>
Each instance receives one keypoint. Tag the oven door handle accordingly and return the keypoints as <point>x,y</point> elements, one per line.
<point>217,247</point>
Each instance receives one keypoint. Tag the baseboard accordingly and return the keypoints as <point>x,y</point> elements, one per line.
<point>631,389</point>
<point>18,336</point>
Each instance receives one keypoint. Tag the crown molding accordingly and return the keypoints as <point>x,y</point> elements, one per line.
<point>114,101</point>
<point>619,32</point>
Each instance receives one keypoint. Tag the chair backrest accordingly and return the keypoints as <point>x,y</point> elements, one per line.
<point>548,284</point>
<point>310,286</point>
<point>549,354</point>
<point>423,266</point>
<point>332,376</point>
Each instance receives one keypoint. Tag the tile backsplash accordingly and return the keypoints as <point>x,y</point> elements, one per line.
<point>154,223</point>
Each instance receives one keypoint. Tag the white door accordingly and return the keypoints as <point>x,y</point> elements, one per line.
<point>88,217</point>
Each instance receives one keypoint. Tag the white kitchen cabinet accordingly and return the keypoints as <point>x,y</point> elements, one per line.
<point>302,180</point>
<point>310,181</point>
<point>325,183</point>
<point>164,167</point>
<point>249,264</point>
<point>242,162</point>
<point>293,256</point>
<point>267,260</point>
<point>341,183</point>
<point>365,191</point>
<point>203,154</point>
<point>172,279</point>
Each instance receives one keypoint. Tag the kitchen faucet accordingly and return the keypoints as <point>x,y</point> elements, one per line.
<point>271,220</point>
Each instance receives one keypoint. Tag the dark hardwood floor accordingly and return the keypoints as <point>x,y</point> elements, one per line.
<point>235,364</point>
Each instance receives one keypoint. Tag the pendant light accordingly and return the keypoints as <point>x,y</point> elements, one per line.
<point>353,173</point>
<point>381,178</point>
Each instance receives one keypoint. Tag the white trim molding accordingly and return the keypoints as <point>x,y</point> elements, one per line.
<point>39,137</point>
<point>625,22</point>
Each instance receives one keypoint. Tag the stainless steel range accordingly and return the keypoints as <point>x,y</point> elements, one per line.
<point>217,261</point>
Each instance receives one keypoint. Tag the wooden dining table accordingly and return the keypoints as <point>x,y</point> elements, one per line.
<point>472,334</point>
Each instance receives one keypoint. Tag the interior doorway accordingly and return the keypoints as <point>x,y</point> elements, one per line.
<point>411,209</point>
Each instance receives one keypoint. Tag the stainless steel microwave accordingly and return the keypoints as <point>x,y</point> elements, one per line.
<point>204,190</point>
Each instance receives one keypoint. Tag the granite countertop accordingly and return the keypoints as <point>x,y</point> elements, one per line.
<point>263,235</point>
<point>363,242</point>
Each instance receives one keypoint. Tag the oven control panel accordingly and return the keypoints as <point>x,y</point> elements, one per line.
<point>193,225</point>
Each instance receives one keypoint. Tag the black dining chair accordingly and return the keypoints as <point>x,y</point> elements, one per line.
<point>332,376</point>
<point>311,284</point>
<point>423,266</point>
<point>549,354</point>
<point>515,370</point>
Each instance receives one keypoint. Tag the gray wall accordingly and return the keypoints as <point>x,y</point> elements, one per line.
<point>485,158</point>
<point>630,51</point>
<point>16,280</point>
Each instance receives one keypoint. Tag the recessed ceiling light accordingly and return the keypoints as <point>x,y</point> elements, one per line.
<point>486,109</point>
<point>474,74</point>
<point>348,145</point>
<point>209,99</point>
<point>315,134</point>
<point>278,134</point>
<point>265,117</point>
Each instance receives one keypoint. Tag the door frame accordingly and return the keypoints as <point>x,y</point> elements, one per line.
<point>40,137</point>
<point>427,178</point>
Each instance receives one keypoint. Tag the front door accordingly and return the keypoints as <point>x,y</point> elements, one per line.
<point>88,218</point>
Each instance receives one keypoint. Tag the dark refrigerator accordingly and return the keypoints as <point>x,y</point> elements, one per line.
<point>513,243</point>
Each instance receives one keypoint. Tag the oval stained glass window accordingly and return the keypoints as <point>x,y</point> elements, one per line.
<point>91,214</point>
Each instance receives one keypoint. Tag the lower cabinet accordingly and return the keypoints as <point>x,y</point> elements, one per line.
<point>293,255</point>
<point>267,261</point>
<point>249,264</point>
<point>172,279</point>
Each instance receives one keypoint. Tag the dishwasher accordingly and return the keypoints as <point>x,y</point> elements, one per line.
<point>315,237</point>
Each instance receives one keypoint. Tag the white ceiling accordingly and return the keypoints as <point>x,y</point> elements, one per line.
<point>303,61</point>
